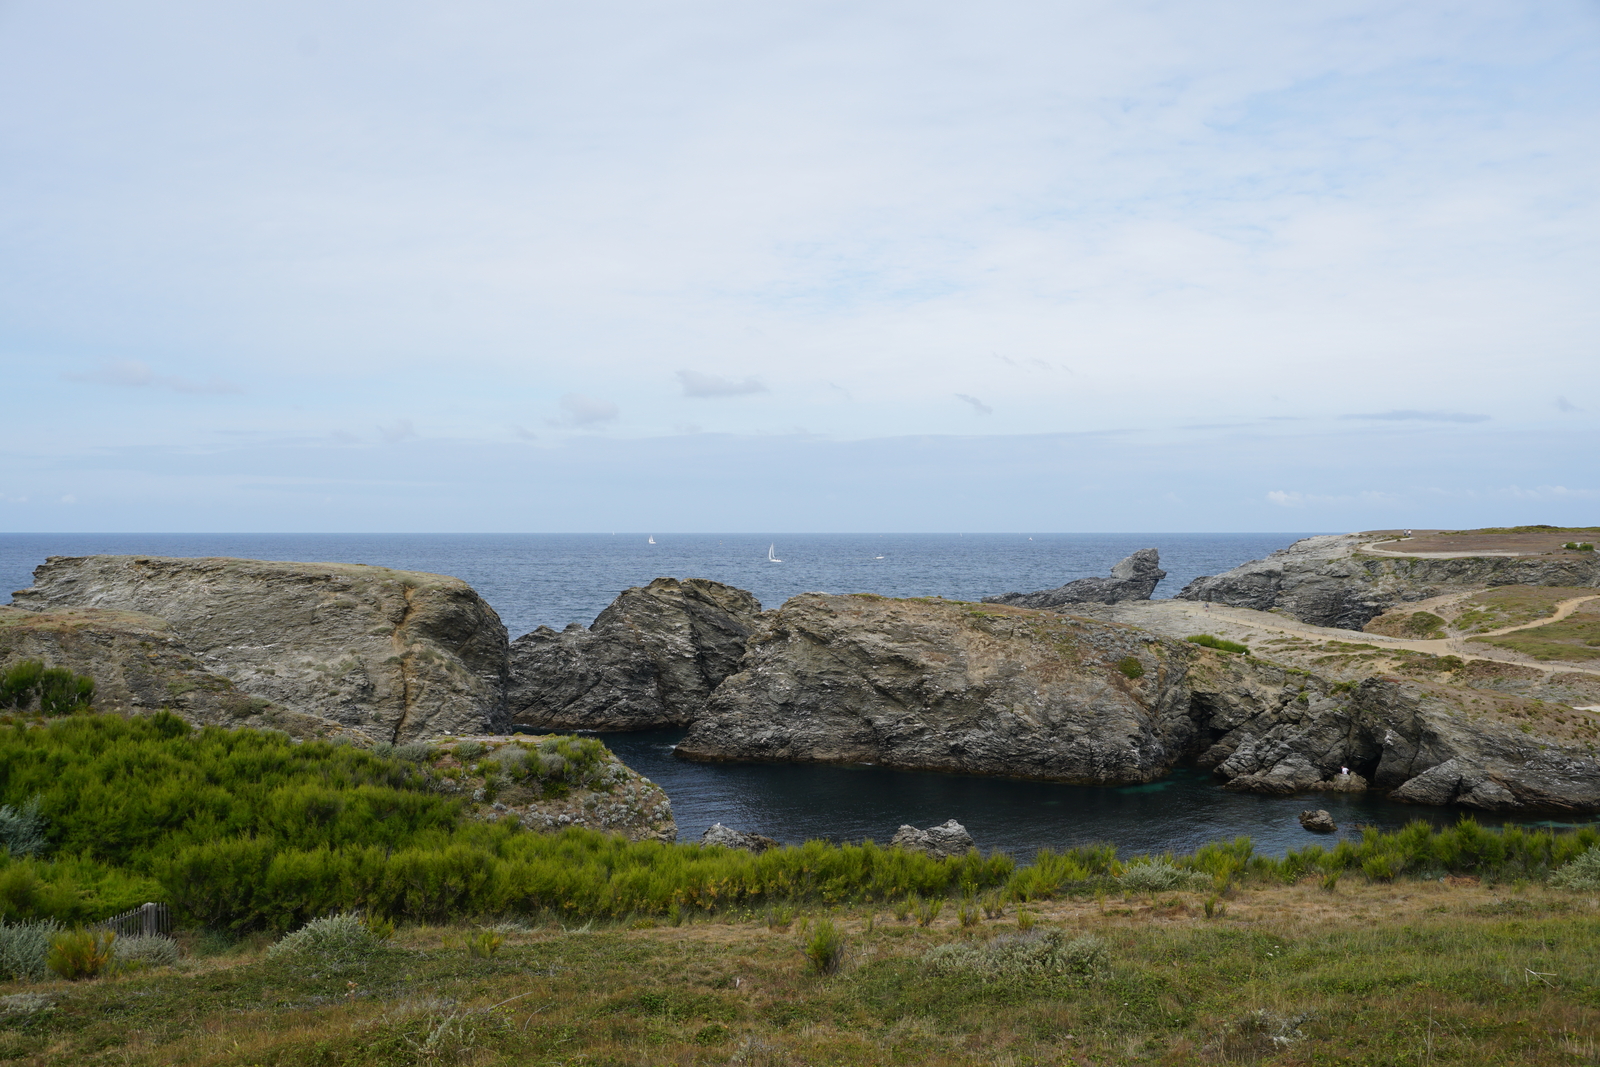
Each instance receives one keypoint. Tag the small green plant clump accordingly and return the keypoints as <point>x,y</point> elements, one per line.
<point>1130,667</point>
<point>1582,873</point>
<point>1579,546</point>
<point>824,948</point>
<point>60,692</point>
<point>141,951</point>
<point>1159,876</point>
<point>79,954</point>
<point>342,938</point>
<point>484,944</point>
<point>25,947</point>
<point>1034,954</point>
<point>1211,641</point>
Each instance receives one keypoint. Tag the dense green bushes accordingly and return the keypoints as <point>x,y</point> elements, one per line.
<point>1212,641</point>
<point>60,692</point>
<point>247,830</point>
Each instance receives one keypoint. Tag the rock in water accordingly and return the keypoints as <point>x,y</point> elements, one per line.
<point>947,840</point>
<point>728,837</point>
<point>1134,578</point>
<point>1318,822</point>
<point>396,654</point>
<point>651,659</point>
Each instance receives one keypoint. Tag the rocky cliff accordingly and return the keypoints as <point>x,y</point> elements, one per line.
<point>950,686</point>
<point>652,658</point>
<point>1133,578</point>
<point>395,654</point>
<point>1331,581</point>
<point>140,665</point>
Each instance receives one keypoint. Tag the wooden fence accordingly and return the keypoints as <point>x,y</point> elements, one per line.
<point>147,920</point>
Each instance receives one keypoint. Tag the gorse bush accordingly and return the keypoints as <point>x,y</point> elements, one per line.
<point>79,954</point>
<point>1033,954</point>
<point>22,829</point>
<point>60,692</point>
<point>24,948</point>
<point>824,948</point>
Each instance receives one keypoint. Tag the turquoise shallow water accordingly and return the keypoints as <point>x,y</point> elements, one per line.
<point>553,579</point>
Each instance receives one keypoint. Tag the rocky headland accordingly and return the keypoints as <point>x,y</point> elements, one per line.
<point>1133,578</point>
<point>1347,580</point>
<point>395,655</point>
<point>652,658</point>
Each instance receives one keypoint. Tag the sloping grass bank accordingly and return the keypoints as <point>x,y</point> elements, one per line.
<point>246,830</point>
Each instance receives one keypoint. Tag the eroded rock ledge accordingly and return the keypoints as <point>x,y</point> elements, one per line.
<point>1133,578</point>
<point>939,685</point>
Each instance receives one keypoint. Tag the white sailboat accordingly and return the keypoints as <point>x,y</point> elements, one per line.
<point>770,557</point>
<point>652,539</point>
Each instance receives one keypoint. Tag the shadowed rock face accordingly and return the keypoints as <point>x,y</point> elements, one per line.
<point>943,685</point>
<point>1133,578</point>
<point>1328,581</point>
<point>396,654</point>
<point>651,659</point>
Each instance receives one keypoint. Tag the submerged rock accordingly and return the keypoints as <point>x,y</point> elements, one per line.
<point>946,841</point>
<point>728,837</point>
<point>396,654</point>
<point>1133,578</point>
<point>1318,822</point>
<point>651,659</point>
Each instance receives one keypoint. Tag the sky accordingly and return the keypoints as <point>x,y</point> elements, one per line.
<point>707,266</point>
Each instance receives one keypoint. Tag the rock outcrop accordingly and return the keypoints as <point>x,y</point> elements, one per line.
<point>941,685</point>
<point>1318,822</point>
<point>728,837</point>
<point>504,777</point>
<point>652,658</point>
<point>1133,578</point>
<point>139,665</point>
<point>395,654</point>
<point>1330,581</point>
<point>948,840</point>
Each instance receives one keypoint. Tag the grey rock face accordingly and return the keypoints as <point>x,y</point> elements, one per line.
<point>728,837</point>
<point>1328,581</point>
<point>1318,821</point>
<point>947,840</point>
<point>651,658</point>
<point>950,686</point>
<point>1133,578</point>
<point>396,654</point>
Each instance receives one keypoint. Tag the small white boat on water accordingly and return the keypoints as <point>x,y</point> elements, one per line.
<point>652,539</point>
<point>770,557</point>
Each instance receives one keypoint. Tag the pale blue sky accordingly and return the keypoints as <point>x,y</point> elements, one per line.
<point>696,266</point>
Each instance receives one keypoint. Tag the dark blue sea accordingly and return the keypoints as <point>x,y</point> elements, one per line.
<point>554,579</point>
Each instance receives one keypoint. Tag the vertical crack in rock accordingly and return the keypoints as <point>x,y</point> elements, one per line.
<point>402,639</point>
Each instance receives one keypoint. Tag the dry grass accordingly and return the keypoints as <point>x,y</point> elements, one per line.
<point>1420,973</point>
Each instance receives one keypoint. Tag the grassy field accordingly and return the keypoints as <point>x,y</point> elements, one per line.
<point>1574,639</point>
<point>1512,605</point>
<point>1401,973</point>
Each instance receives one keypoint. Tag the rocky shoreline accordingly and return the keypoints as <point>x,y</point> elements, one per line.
<point>1005,687</point>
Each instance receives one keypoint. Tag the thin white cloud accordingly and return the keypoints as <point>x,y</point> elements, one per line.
<point>133,374</point>
<point>977,405</point>
<point>579,411</point>
<point>710,385</point>
<point>1421,416</point>
<point>397,431</point>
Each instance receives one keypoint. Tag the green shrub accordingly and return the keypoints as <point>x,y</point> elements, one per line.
<point>141,951</point>
<point>1158,876</point>
<point>412,751</point>
<point>1582,873</point>
<point>824,948</point>
<point>467,751</point>
<point>25,947</point>
<point>1210,641</point>
<point>342,938</point>
<point>484,944</point>
<point>22,829</point>
<point>1034,954</point>
<point>60,691</point>
<point>80,954</point>
<point>1130,667</point>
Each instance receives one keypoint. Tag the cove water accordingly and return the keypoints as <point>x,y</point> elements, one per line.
<point>554,579</point>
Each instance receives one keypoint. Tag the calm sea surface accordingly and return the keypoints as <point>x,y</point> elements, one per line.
<point>554,579</point>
